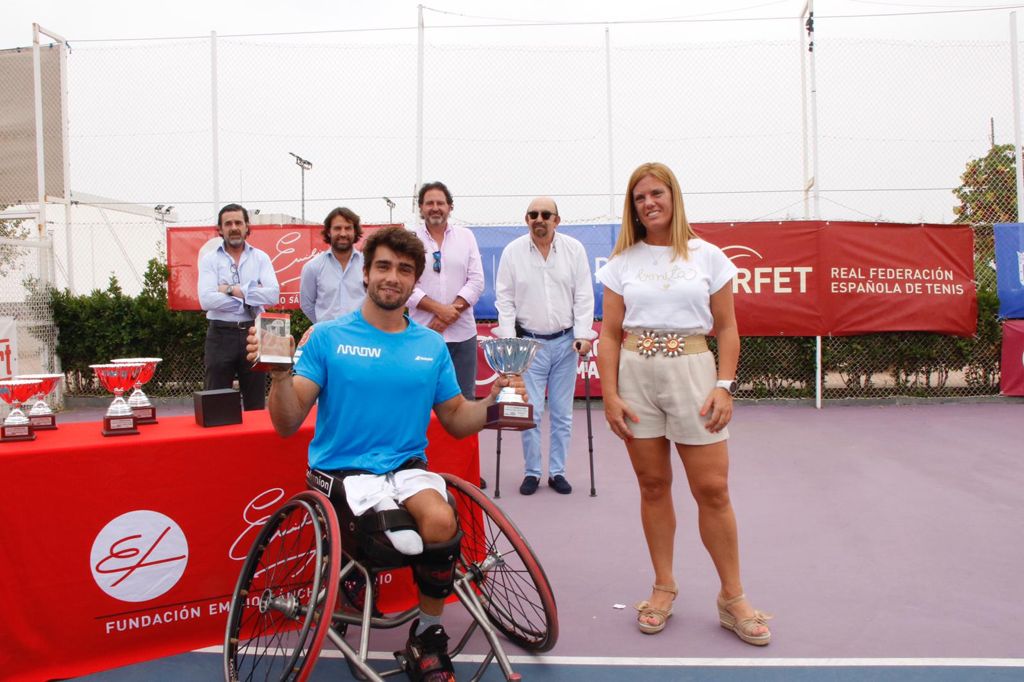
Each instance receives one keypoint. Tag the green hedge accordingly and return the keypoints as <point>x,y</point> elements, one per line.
<point>103,325</point>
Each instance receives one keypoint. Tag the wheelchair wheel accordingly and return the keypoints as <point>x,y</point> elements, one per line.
<point>511,584</point>
<point>282,605</point>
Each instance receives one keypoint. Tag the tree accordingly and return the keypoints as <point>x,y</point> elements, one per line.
<point>10,254</point>
<point>988,194</point>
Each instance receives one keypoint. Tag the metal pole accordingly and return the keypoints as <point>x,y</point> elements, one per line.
<point>37,81</point>
<point>497,469</point>
<point>302,169</point>
<point>590,427</point>
<point>214,122</point>
<point>1015,70</point>
<point>803,114</point>
<point>419,109</point>
<point>608,97</point>
<point>814,113</point>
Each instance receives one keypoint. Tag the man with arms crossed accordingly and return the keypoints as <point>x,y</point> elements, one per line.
<point>332,283</point>
<point>544,292</point>
<point>236,282</point>
<point>377,374</point>
<point>452,282</point>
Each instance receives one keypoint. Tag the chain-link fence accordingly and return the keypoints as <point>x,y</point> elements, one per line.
<point>896,130</point>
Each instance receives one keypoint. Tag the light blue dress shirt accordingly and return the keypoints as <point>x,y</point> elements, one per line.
<point>254,274</point>
<point>327,291</point>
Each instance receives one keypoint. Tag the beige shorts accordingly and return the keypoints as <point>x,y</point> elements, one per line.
<point>667,394</point>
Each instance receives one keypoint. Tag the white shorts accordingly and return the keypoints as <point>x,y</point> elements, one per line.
<point>667,395</point>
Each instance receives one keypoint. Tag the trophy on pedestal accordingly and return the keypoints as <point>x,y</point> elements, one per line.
<point>143,410</point>
<point>118,378</point>
<point>15,392</point>
<point>41,417</point>
<point>506,357</point>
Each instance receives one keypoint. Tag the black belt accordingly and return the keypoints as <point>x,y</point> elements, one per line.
<point>545,337</point>
<point>222,324</point>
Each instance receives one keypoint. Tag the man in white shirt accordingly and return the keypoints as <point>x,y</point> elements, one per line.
<point>544,292</point>
<point>331,285</point>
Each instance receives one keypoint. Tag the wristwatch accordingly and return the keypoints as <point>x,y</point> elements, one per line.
<point>729,385</point>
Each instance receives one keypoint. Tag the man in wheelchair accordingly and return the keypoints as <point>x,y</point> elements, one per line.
<point>375,376</point>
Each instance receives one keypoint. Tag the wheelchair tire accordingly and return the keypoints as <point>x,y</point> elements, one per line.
<point>282,605</point>
<point>510,582</point>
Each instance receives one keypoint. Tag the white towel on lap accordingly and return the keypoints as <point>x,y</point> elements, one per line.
<point>363,491</point>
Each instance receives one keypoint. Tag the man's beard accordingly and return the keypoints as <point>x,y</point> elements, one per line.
<point>385,305</point>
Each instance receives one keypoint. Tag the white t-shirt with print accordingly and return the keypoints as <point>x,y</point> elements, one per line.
<point>661,293</point>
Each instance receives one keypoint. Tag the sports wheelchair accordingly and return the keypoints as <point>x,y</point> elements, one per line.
<point>290,595</point>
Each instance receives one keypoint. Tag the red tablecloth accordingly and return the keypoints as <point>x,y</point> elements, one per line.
<point>121,549</point>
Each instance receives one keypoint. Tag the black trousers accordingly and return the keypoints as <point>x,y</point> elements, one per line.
<point>225,359</point>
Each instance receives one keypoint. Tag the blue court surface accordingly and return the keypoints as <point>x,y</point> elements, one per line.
<point>886,540</point>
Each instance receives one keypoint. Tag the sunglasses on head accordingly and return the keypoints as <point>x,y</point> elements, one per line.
<point>546,215</point>
<point>437,261</point>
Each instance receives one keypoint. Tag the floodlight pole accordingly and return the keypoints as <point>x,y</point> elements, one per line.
<point>303,166</point>
<point>391,207</point>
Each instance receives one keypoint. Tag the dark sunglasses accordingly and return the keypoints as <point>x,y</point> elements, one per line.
<point>437,261</point>
<point>546,215</point>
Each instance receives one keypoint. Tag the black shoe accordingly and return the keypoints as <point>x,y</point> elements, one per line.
<point>427,655</point>
<point>483,483</point>
<point>560,485</point>
<point>529,485</point>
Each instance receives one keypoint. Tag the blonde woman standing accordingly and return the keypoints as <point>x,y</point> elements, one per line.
<point>665,289</point>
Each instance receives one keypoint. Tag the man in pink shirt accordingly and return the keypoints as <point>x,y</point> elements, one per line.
<point>444,297</point>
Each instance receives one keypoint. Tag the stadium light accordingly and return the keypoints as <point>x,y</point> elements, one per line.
<point>391,206</point>
<point>303,167</point>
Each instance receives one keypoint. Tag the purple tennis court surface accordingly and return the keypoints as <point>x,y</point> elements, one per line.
<point>886,539</point>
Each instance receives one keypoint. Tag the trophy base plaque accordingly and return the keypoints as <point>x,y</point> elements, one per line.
<point>42,422</point>
<point>120,426</point>
<point>144,415</point>
<point>14,433</point>
<point>510,417</point>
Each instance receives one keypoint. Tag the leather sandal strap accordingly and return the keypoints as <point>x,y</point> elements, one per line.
<point>735,600</point>
<point>647,610</point>
<point>671,589</point>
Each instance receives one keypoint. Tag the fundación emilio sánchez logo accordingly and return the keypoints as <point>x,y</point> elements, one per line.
<point>139,556</point>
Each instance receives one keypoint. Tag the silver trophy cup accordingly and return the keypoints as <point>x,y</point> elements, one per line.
<point>508,357</point>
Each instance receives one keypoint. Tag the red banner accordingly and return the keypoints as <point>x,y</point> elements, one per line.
<point>803,278</point>
<point>1011,366</point>
<point>289,247</point>
<point>842,278</point>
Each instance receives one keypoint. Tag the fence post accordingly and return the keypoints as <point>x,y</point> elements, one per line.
<point>611,149</point>
<point>1015,71</point>
<point>419,108</point>
<point>213,122</point>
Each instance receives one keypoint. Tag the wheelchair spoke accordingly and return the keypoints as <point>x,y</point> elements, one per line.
<point>288,583</point>
<point>509,580</point>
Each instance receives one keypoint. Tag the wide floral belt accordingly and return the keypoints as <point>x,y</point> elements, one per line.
<point>649,343</point>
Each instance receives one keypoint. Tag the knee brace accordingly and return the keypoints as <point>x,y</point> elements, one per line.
<point>434,569</point>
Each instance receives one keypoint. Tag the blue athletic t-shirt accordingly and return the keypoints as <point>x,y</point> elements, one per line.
<point>376,392</point>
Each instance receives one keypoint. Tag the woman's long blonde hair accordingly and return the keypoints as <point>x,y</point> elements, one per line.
<point>633,230</point>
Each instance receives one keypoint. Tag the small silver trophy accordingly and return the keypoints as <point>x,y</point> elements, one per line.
<point>508,357</point>
<point>41,415</point>
<point>142,408</point>
<point>16,392</point>
<point>118,378</point>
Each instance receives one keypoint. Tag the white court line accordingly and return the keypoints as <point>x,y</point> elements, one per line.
<point>714,662</point>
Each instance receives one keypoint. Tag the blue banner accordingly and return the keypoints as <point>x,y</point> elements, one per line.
<point>1010,269</point>
<point>597,239</point>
